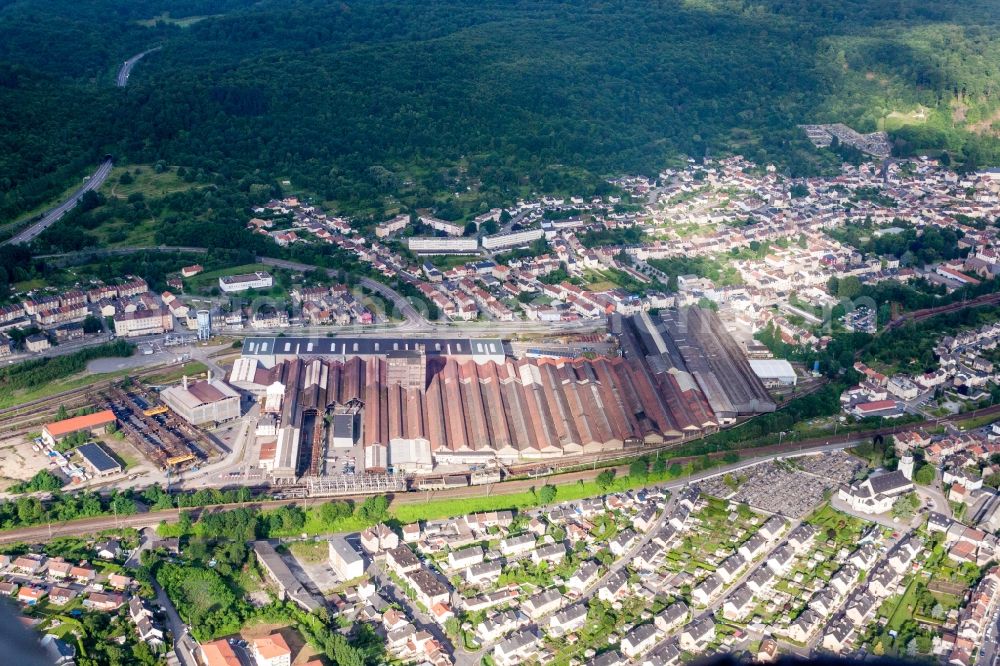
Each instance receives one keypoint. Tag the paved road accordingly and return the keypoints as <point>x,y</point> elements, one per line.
<point>126,69</point>
<point>185,646</point>
<point>423,622</point>
<point>94,181</point>
<point>403,306</point>
<point>991,645</point>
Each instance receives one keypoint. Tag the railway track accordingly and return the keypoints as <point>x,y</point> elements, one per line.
<point>927,313</point>
<point>26,416</point>
<point>151,519</point>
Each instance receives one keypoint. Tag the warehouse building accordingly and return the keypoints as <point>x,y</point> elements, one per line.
<point>198,403</point>
<point>289,586</point>
<point>236,283</point>
<point>269,351</point>
<point>690,346</point>
<point>98,460</point>
<point>774,372</point>
<point>512,239</point>
<point>95,424</point>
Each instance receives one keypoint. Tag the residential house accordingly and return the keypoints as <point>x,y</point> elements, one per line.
<point>804,625</point>
<point>61,595</point>
<point>271,650</point>
<point>29,595</point>
<point>614,587</point>
<point>378,538</point>
<point>761,579</point>
<point>115,581</point>
<point>773,527</point>
<point>568,620</point>
<point>401,560</point>
<point>781,560</point>
<point>729,567</point>
<point>738,604</point>
<point>554,553</point>
<point>103,602</point>
<point>844,579</point>
<point>543,603</point>
<point>646,519</point>
<point>109,550</point>
<point>465,557</point>
<point>802,537</point>
<point>838,634</point>
<point>516,649</point>
<point>697,635</point>
<point>671,617</point>
<point>500,624</point>
<point>860,608</point>
<point>638,641</point>
<point>484,572</point>
<point>752,547</point>
<point>428,588</point>
<point>707,590</point>
<point>585,575</point>
<point>517,546</point>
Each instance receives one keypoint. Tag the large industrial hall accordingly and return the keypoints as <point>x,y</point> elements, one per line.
<point>413,405</point>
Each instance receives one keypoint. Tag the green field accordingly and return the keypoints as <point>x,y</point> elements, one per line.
<point>207,280</point>
<point>15,398</point>
<point>175,373</point>
<point>311,552</point>
<point>145,181</point>
<point>904,608</point>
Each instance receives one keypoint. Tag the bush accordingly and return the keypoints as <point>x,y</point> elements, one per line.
<point>924,475</point>
<point>43,481</point>
<point>203,600</point>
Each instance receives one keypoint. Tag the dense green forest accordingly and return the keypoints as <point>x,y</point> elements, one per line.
<point>372,105</point>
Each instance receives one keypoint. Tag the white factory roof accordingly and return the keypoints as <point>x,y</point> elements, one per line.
<point>772,368</point>
<point>200,393</point>
<point>244,370</point>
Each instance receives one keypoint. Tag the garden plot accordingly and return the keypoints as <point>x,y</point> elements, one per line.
<point>718,529</point>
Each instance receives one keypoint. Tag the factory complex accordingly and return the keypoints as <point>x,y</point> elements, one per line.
<point>413,404</point>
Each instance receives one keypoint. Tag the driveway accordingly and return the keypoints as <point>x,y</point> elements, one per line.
<point>421,620</point>
<point>185,646</point>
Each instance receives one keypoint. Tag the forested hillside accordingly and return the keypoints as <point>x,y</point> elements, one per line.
<point>371,103</point>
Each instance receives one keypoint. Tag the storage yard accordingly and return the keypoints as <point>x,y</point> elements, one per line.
<point>163,438</point>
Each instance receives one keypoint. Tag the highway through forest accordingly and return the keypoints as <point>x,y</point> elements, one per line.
<point>92,182</point>
<point>126,69</point>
